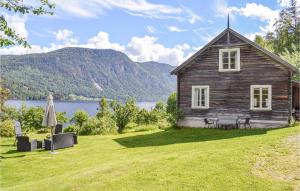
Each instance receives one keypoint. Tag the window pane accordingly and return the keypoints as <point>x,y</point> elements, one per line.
<point>232,60</point>
<point>233,54</point>
<point>198,97</point>
<point>225,66</point>
<point>225,60</point>
<point>195,97</point>
<point>203,95</point>
<point>265,91</point>
<point>232,66</point>
<point>225,57</point>
<point>225,54</point>
<point>256,91</point>
<point>256,100</point>
<point>265,101</point>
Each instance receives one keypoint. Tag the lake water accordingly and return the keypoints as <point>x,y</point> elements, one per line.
<point>71,106</point>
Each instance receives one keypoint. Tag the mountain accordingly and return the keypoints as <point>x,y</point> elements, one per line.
<point>91,73</point>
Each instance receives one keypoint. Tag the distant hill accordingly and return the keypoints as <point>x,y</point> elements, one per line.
<point>91,73</point>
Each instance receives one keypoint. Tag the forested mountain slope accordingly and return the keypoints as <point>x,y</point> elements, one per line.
<point>85,72</point>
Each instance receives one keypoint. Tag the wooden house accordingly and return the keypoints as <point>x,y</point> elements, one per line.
<point>234,76</point>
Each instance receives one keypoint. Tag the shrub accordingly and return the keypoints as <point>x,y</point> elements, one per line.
<point>79,118</point>
<point>7,128</point>
<point>94,126</point>
<point>160,109</point>
<point>147,117</point>
<point>174,114</point>
<point>106,125</point>
<point>71,128</point>
<point>123,113</point>
<point>88,127</point>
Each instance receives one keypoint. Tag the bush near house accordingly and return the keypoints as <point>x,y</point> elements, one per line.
<point>6,128</point>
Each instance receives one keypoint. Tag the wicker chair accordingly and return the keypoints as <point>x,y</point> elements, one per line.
<point>58,129</point>
<point>23,144</point>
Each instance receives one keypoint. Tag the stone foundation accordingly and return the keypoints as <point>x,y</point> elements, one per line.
<point>196,122</point>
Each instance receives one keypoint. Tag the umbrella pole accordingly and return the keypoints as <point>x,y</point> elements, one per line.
<point>52,144</point>
<point>52,139</point>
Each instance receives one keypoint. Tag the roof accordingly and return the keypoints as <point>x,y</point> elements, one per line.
<point>241,37</point>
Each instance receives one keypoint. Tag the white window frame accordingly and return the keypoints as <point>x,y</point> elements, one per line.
<point>238,62</point>
<point>269,97</point>
<point>207,97</point>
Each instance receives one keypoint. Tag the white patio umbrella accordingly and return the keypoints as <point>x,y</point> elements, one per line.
<point>49,119</point>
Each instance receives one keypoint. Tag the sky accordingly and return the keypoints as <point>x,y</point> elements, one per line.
<point>166,31</point>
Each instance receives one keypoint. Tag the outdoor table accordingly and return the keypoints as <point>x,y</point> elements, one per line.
<point>227,122</point>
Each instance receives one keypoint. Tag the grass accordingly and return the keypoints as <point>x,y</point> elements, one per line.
<point>185,159</point>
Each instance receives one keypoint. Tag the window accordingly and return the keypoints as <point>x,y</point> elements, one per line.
<point>261,97</point>
<point>229,60</point>
<point>200,97</point>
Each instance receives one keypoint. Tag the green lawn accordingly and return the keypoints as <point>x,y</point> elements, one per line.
<point>185,159</point>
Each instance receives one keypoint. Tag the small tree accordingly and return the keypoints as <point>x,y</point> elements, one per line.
<point>123,113</point>
<point>79,118</point>
<point>104,109</point>
<point>160,110</point>
<point>147,117</point>
<point>293,57</point>
<point>33,117</point>
<point>61,117</point>
<point>174,114</point>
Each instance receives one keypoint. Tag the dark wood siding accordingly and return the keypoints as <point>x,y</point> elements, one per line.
<point>230,91</point>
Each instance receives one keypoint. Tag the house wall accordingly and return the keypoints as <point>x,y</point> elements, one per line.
<point>230,91</point>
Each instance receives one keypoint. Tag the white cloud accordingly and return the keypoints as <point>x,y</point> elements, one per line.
<point>141,8</point>
<point>65,36</point>
<point>261,12</point>
<point>193,17</point>
<point>101,41</point>
<point>139,49</point>
<point>222,8</point>
<point>151,29</point>
<point>205,34</point>
<point>17,50</point>
<point>251,36</point>
<point>251,10</point>
<point>146,48</point>
<point>175,29</point>
<point>17,23</point>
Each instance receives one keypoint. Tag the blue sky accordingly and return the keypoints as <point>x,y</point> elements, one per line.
<point>165,31</point>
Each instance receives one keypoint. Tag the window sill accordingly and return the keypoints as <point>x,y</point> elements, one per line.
<point>200,107</point>
<point>261,109</point>
<point>229,70</point>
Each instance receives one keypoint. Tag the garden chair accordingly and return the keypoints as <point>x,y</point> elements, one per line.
<point>58,129</point>
<point>24,144</point>
<point>245,122</point>
<point>208,123</point>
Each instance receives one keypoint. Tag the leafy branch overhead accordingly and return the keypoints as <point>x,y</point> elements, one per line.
<point>8,36</point>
